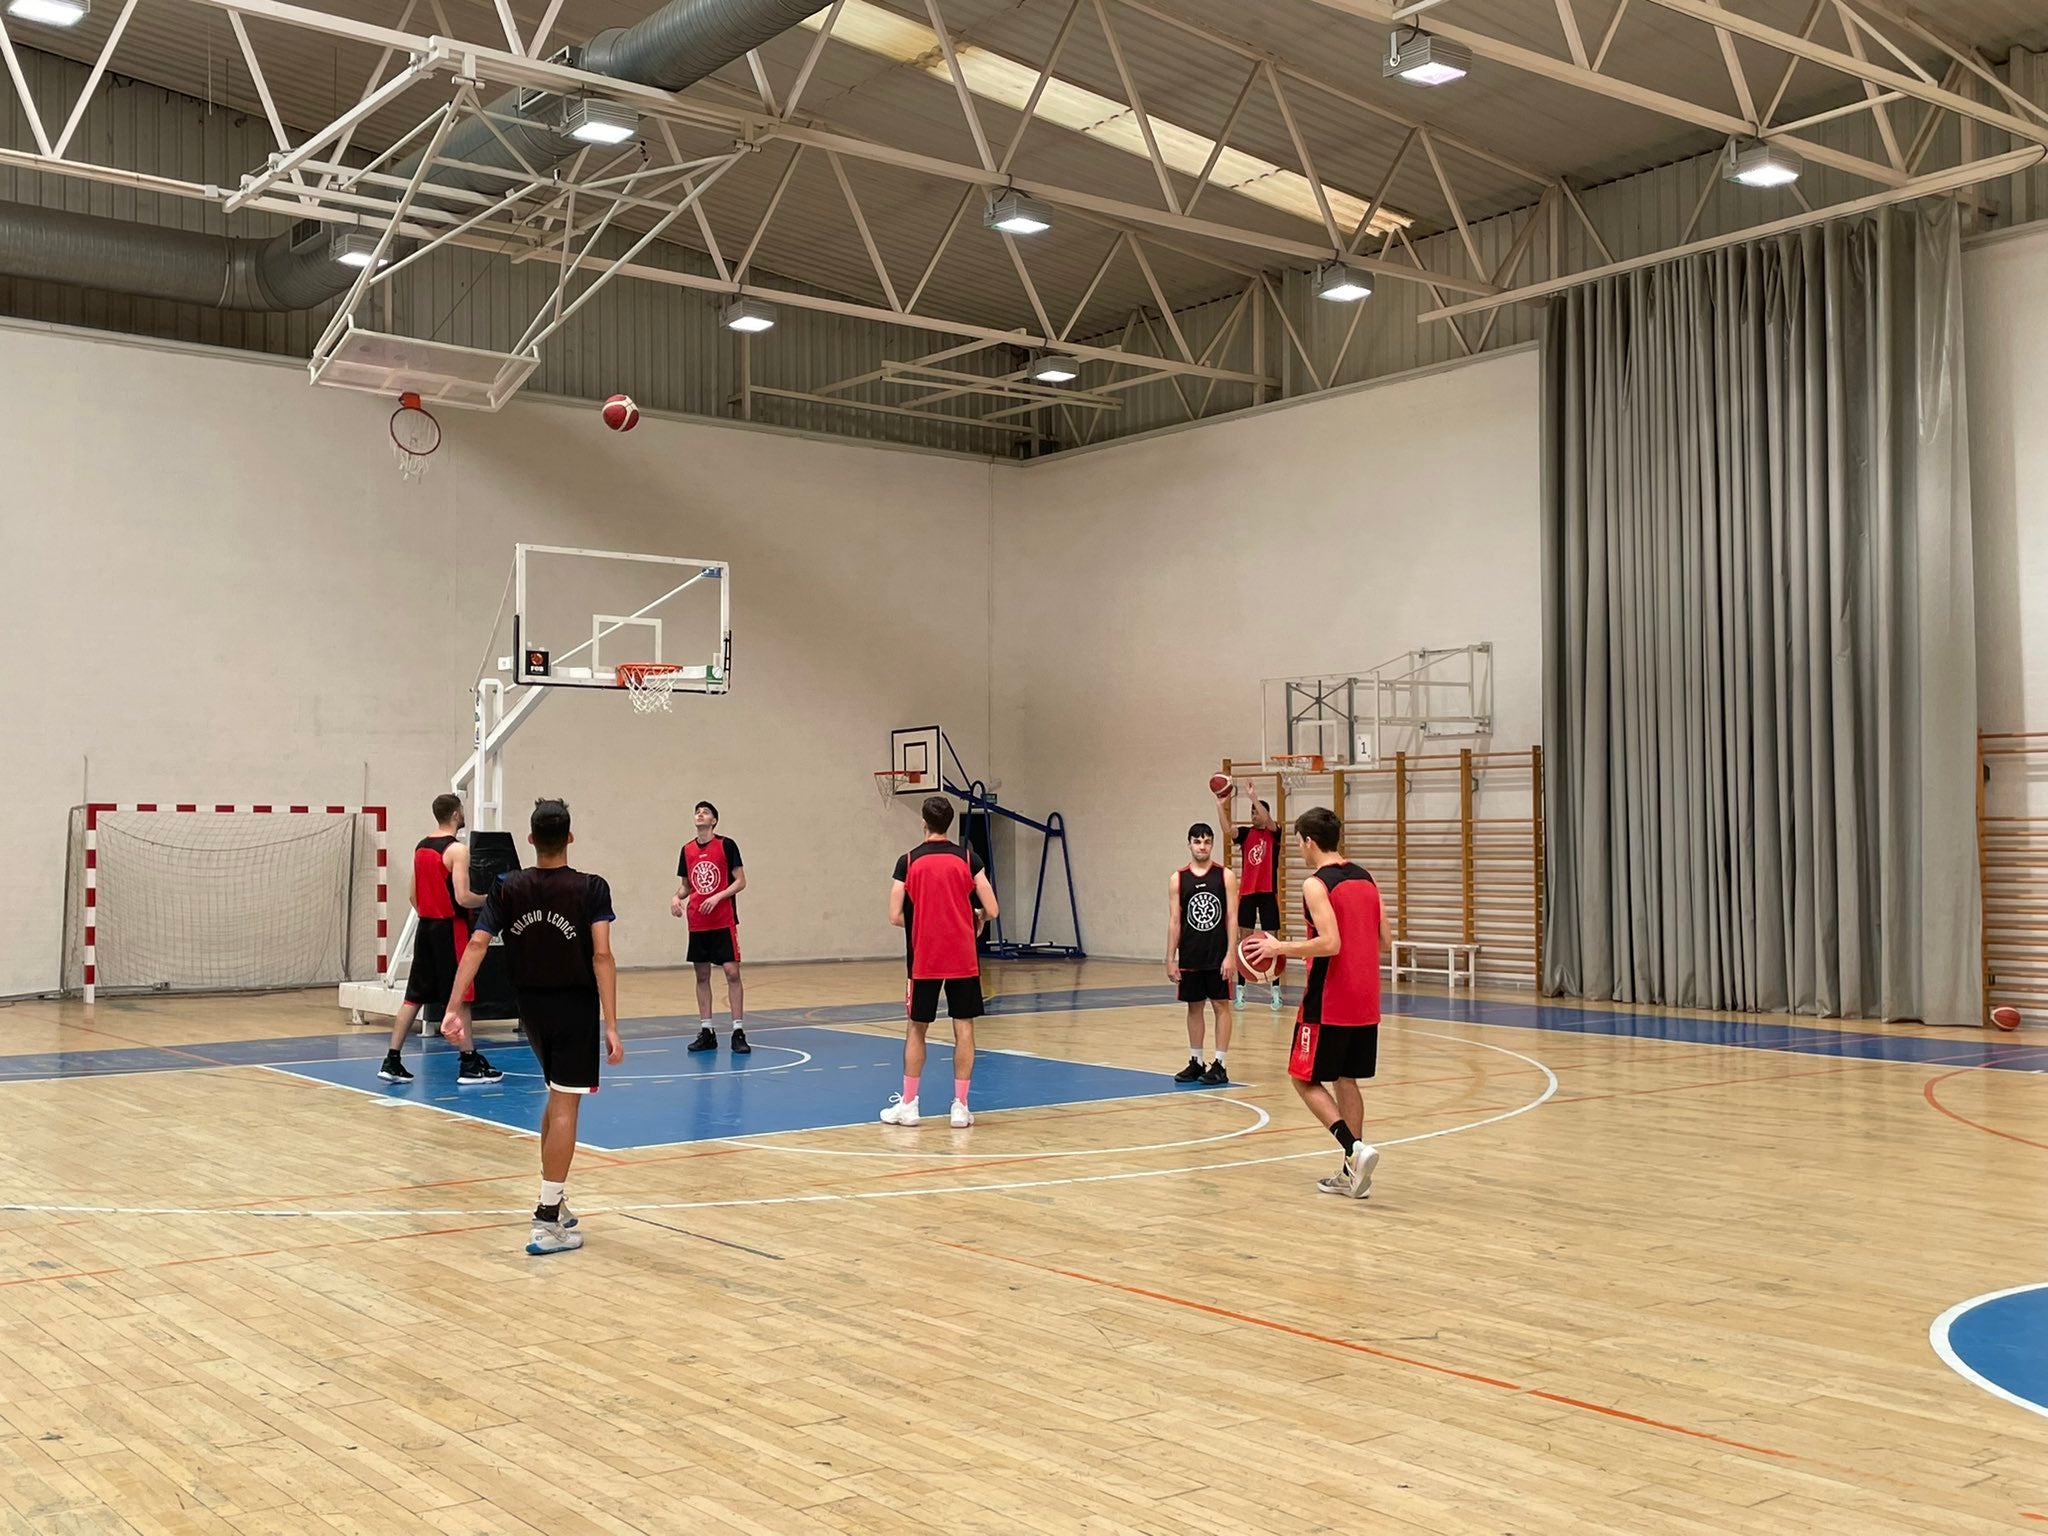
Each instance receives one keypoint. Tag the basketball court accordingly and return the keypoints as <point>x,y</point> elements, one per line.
<point>572,569</point>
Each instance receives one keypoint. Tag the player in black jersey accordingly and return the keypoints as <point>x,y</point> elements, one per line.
<point>557,924</point>
<point>1201,948</point>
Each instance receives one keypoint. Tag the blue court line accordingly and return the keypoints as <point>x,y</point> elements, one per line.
<point>817,1078</point>
<point>1959,1048</point>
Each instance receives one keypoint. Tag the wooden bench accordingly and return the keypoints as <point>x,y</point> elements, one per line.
<point>1460,961</point>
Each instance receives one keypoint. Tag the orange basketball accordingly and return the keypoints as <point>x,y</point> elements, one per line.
<point>621,414</point>
<point>2006,1018</point>
<point>1219,784</point>
<point>1252,970</point>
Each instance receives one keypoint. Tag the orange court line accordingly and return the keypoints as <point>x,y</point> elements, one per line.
<point>1930,1096</point>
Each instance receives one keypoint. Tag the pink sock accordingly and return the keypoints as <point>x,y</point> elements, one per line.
<point>960,1088</point>
<point>909,1089</point>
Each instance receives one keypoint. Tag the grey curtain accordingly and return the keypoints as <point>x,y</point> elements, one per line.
<point>1759,648</point>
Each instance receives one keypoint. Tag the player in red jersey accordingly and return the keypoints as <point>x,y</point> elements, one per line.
<point>711,876</point>
<point>1337,1032</point>
<point>1258,864</point>
<point>940,897</point>
<point>442,898</point>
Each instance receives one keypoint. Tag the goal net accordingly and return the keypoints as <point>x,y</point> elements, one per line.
<point>195,898</point>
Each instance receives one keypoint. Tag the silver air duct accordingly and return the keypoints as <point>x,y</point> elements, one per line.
<point>677,46</point>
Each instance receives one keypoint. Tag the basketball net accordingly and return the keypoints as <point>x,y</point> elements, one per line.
<point>414,435</point>
<point>650,684</point>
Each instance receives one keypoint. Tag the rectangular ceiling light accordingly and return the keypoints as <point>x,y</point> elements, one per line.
<point>354,248</point>
<point>1421,59</point>
<point>1056,370</point>
<point>1342,285</point>
<point>51,13</point>
<point>1064,104</point>
<point>1015,214</point>
<point>594,120</point>
<point>749,315</point>
<point>1756,163</point>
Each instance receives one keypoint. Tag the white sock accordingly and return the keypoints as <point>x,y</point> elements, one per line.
<point>1219,1058</point>
<point>738,1022</point>
<point>704,1023</point>
<point>551,1194</point>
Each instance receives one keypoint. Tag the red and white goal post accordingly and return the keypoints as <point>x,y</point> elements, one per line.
<point>278,860</point>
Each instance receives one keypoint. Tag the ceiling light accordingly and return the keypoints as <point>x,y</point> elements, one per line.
<point>594,120</point>
<point>51,13</point>
<point>1422,59</point>
<point>1015,214</point>
<point>1342,285</point>
<point>1756,163</point>
<point>749,315</point>
<point>1056,370</point>
<point>355,248</point>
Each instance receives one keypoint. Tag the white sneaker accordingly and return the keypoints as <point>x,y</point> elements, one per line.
<point>1237,1001</point>
<point>1278,1000</point>
<point>1338,1183</point>
<point>901,1111</point>
<point>963,1117</point>
<point>1363,1160</point>
<point>551,1237</point>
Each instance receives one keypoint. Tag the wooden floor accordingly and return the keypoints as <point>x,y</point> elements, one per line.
<point>1688,1292</point>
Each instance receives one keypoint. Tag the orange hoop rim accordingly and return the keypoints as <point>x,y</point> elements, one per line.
<point>627,673</point>
<point>1299,762</point>
<point>909,775</point>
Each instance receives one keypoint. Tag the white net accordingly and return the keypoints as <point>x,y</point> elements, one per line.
<point>651,688</point>
<point>216,901</point>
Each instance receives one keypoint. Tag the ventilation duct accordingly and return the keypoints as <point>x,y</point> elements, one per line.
<point>677,46</point>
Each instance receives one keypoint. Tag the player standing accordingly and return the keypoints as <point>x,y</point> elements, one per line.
<point>1258,862</point>
<point>1336,1033</point>
<point>442,898</point>
<point>711,875</point>
<point>934,896</point>
<point>1201,948</point>
<point>557,924</point>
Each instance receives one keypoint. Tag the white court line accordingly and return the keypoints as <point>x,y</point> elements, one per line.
<point>1937,1335</point>
<point>695,1077</point>
<point>1145,1098</point>
<point>1549,1090</point>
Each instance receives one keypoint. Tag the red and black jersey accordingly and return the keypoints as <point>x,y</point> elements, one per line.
<point>545,916</point>
<point>938,911</point>
<point>433,887</point>
<point>707,868</point>
<point>1204,932</point>
<point>1258,850</point>
<point>1344,988</point>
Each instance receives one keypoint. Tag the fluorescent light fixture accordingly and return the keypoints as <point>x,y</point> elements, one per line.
<point>1422,59</point>
<point>1756,163</point>
<point>51,13</point>
<point>1056,370</point>
<point>594,120</point>
<point>749,315</point>
<point>354,248</point>
<point>1342,285</point>
<point>1015,214</point>
<point>998,78</point>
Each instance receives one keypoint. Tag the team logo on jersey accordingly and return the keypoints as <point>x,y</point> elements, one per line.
<point>1205,911</point>
<point>1255,852</point>
<point>703,877</point>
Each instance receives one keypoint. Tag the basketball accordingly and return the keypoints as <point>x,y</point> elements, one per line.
<point>1251,967</point>
<point>1219,784</point>
<point>621,414</point>
<point>2006,1018</point>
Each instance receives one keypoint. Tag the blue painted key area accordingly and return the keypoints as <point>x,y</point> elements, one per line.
<point>2001,1343</point>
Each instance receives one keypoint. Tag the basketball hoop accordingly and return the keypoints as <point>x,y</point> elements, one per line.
<point>1293,767</point>
<point>651,683</point>
<point>893,781</point>
<point>414,435</point>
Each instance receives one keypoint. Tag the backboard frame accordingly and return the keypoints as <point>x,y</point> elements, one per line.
<point>918,749</point>
<point>705,676</point>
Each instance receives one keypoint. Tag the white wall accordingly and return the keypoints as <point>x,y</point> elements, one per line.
<point>2005,299</point>
<point>1147,587</point>
<point>217,588</point>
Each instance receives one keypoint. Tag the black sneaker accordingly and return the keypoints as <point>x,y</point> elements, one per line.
<point>705,1041</point>
<point>1191,1073</point>
<point>1217,1075</point>
<point>473,1071</point>
<point>393,1070</point>
<point>739,1042</point>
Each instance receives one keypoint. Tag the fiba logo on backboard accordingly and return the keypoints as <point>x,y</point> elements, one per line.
<point>1205,911</point>
<point>704,877</point>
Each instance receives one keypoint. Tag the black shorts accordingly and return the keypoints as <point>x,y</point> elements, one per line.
<point>1260,910</point>
<point>436,956</point>
<point>566,1030</point>
<point>714,946</point>
<point>1204,986</point>
<point>963,999</point>
<point>1323,1053</point>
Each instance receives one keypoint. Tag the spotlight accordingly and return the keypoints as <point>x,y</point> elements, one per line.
<point>1342,285</point>
<point>1757,163</point>
<point>594,120</point>
<point>1422,59</point>
<point>749,315</point>
<point>1015,214</point>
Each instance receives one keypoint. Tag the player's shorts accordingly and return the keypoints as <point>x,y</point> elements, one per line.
<point>436,956</point>
<point>714,946</point>
<point>963,999</point>
<point>565,1027</point>
<point>1325,1052</point>
<point>1204,986</point>
<point>1259,910</point>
